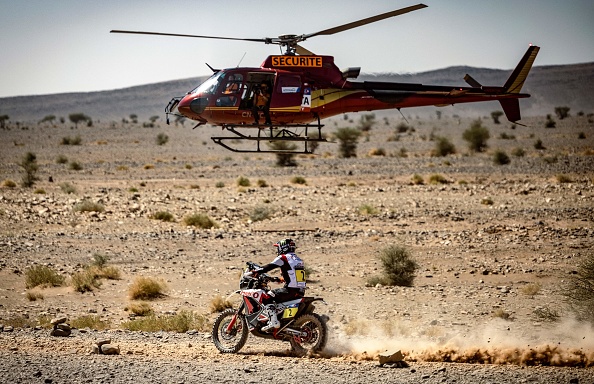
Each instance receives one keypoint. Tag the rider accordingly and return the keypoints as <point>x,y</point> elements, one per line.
<point>292,269</point>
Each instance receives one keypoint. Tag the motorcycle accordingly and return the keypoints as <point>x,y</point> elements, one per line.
<point>304,329</point>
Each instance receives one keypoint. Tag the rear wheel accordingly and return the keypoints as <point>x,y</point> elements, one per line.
<point>234,340</point>
<point>316,334</point>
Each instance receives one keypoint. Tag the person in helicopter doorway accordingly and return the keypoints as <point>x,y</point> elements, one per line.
<point>292,269</point>
<point>261,103</point>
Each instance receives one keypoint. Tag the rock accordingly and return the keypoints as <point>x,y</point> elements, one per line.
<point>8,328</point>
<point>63,326</point>
<point>108,349</point>
<point>58,320</point>
<point>101,342</point>
<point>392,358</point>
<point>60,332</point>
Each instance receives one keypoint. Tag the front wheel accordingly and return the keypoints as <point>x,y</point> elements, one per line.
<point>229,341</point>
<point>316,334</point>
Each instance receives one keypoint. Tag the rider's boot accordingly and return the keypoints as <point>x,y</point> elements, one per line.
<point>272,319</point>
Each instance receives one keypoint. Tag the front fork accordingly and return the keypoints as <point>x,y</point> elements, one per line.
<point>229,328</point>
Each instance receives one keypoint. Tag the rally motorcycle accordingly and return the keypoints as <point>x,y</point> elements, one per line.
<point>305,330</point>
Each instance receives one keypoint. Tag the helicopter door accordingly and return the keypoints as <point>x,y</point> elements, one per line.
<point>252,85</point>
<point>288,91</point>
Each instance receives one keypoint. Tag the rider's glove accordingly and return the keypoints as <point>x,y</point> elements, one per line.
<point>270,293</point>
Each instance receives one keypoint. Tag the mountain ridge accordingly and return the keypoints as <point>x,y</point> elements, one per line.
<point>569,85</point>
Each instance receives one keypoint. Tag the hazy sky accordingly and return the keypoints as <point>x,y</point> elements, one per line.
<point>54,46</point>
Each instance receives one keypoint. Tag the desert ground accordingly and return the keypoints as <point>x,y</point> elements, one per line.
<point>496,246</point>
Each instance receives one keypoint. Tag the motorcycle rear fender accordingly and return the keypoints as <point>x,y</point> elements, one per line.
<point>307,306</point>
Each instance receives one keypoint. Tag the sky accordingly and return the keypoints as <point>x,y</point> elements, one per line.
<point>63,46</point>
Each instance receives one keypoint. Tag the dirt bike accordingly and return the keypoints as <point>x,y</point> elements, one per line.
<point>305,330</point>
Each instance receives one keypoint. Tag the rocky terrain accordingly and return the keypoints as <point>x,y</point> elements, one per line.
<point>496,245</point>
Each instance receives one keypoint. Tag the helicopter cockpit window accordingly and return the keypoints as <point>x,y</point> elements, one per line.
<point>210,86</point>
<point>230,90</point>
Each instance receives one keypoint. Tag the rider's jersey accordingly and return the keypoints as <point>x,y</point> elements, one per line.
<point>292,269</point>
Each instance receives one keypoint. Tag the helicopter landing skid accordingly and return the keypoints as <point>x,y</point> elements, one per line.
<point>271,134</point>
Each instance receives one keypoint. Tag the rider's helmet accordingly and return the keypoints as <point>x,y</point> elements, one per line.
<point>285,246</point>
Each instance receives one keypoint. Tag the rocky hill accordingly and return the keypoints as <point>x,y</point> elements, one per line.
<point>550,86</point>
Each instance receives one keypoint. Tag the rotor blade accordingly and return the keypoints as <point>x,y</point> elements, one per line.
<point>302,51</point>
<point>181,35</point>
<point>373,19</point>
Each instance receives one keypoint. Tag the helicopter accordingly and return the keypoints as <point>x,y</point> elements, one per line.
<point>302,88</point>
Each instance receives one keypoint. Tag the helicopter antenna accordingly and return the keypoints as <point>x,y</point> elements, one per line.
<point>403,116</point>
<point>241,59</point>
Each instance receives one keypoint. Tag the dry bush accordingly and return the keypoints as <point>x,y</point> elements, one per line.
<point>200,220</point>
<point>437,179</point>
<point>9,183</point>
<point>181,322</point>
<point>561,178</point>
<point>90,321</point>
<point>367,210</point>
<point>85,280</point>
<point>34,295</point>
<point>41,275</point>
<point>579,291</point>
<point>88,206</point>
<point>219,304</point>
<point>163,216</point>
<point>140,309</point>
<point>146,288</point>
<point>531,289</point>
<point>501,314</point>
<point>546,314</point>
<point>417,179</point>
<point>398,267</point>
<point>243,182</point>
<point>298,180</point>
<point>260,213</point>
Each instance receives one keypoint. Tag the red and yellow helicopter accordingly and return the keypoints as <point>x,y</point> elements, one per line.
<point>305,88</point>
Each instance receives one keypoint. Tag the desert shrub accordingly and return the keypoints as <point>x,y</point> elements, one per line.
<point>562,112</point>
<point>500,158</point>
<point>531,289</point>
<point>163,216</point>
<point>417,179</point>
<point>546,314</point>
<point>140,309</point>
<point>505,136</point>
<point>377,152</point>
<point>403,152</point>
<point>149,166</point>
<point>502,314</point>
<point>367,209</point>
<point>88,206</point>
<point>538,145</point>
<point>348,138</point>
<point>518,152</point>
<point>29,167</point>
<point>550,123</point>
<point>34,295</point>
<point>437,179</point>
<point>443,147</point>
<point>495,115</point>
<point>262,183</point>
<point>476,136</point>
<point>122,168</point>
<point>220,184</point>
<point>219,304</point>
<point>68,188</point>
<point>41,275</point>
<point>298,180</point>
<point>243,182</point>
<point>579,291</point>
<point>561,178</point>
<point>161,139</point>
<point>284,159</point>
<point>75,166</point>
<point>146,288</point>
<point>9,183</point>
<point>39,191</point>
<point>581,135</point>
<point>398,266</point>
<point>110,272</point>
<point>181,322</point>
<point>260,213</point>
<point>61,159</point>
<point>85,280</point>
<point>487,201</point>
<point>90,321</point>
<point>100,260</point>
<point>200,220</point>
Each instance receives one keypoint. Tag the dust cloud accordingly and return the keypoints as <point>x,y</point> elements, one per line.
<point>564,344</point>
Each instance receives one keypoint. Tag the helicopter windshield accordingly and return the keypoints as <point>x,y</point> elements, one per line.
<point>210,85</point>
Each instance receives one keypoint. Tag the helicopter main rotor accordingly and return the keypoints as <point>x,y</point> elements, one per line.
<point>291,42</point>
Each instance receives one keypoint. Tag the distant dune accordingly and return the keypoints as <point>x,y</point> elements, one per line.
<point>550,86</point>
